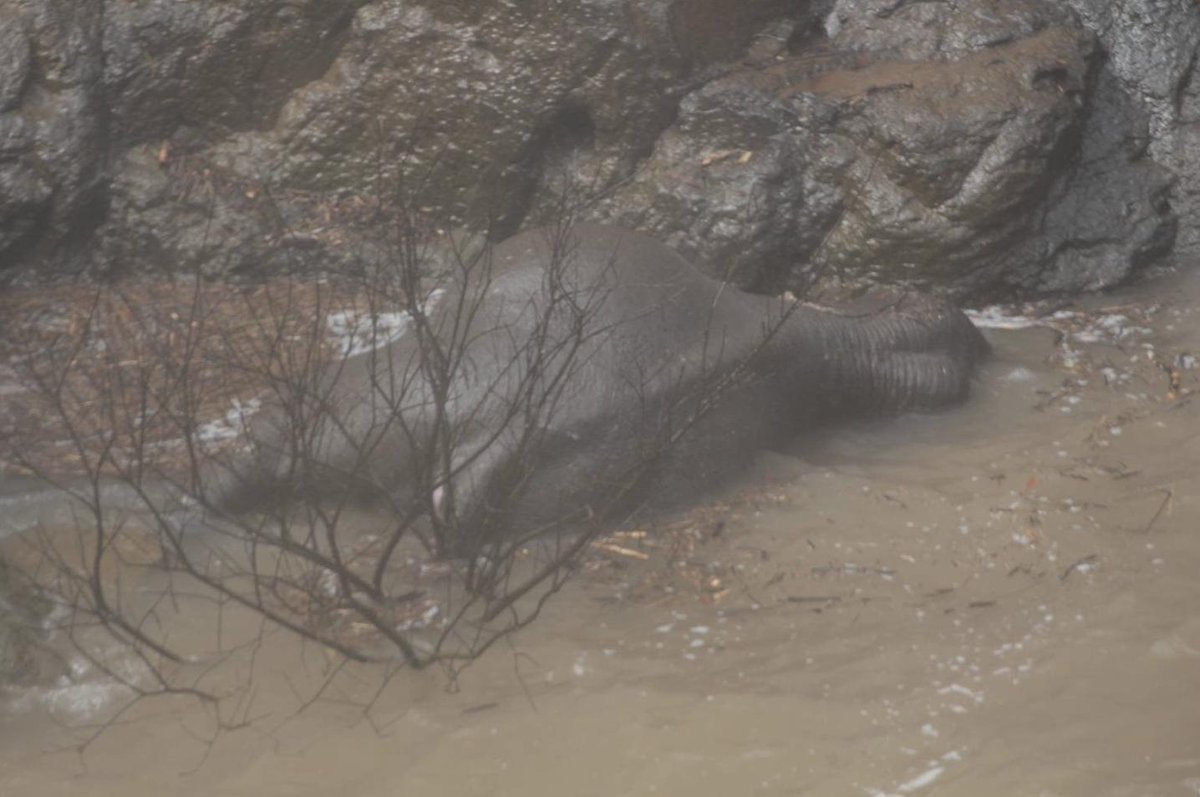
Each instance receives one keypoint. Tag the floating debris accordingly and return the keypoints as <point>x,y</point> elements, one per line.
<point>1108,325</point>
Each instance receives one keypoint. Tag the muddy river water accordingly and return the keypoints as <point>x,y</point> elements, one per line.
<point>999,600</point>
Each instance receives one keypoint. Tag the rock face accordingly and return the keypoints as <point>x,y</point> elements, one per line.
<point>475,103</point>
<point>1151,49</point>
<point>978,148</point>
<point>214,66</point>
<point>53,123</point>
<point>1091,208</point>
<point>981,147</point>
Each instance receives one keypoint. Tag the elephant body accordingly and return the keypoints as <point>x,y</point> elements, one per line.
<point>595,372</point>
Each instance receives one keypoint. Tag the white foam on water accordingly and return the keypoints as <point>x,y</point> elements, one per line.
<point>358,333</point>
<point>921,781</point>
<point>233,424</point>
<point>998,317</point>
<point>1107,328</point>
<point>82,701</point>
<point>84,694</point>
<point>355,334</point>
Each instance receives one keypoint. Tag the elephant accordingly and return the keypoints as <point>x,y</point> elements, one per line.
<point>577,375</point>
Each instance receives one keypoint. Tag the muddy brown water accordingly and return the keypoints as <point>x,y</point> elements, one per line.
<point>999,600</point>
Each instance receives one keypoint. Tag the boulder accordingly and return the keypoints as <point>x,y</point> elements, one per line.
<point>976,148</point>
<point>1151,51</point>
<point>174,215</point>
<point>213,66</point>
<point>1107,217</point>
<point>53,123</point>
<point>990,172</point>
<point>745,181</point>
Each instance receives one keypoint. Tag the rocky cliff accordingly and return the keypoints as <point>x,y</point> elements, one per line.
<point>980,147</point>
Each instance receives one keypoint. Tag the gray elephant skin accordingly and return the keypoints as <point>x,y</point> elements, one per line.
<point>601,374</point>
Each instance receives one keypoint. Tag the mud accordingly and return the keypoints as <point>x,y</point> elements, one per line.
<point>1002,600</point>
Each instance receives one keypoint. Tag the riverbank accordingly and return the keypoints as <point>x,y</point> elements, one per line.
<point>995,600</point>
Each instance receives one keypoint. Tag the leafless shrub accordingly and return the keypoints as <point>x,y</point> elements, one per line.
<point>437,432</point>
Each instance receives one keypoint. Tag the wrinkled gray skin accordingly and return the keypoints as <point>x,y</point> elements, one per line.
<point>659,337</point>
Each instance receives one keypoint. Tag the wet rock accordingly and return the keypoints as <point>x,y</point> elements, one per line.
<point>179,213</point>
<point>15,61</point>
<point>179,220</point>
<point>955,158</point>
<point>980,147</point>
<point>745,180</point>
<point>25,194</point>
<point>986,152</point>
<point>900,171</point>
<point>898,29</point>
<point>1151,46</point>
<point>215,66</point>
<point>111,74</point>
<point>52,122</point>
<point>1152,49</point>
<point>476,105</point>
<point>1111,214</point>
